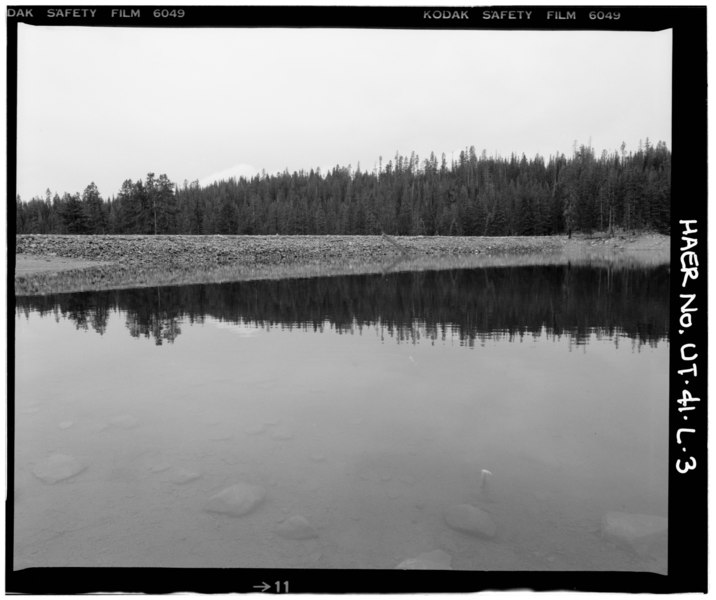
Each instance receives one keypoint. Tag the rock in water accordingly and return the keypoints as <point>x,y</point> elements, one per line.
<point>58,467</point>
<point>181,476</point>
<point>437,560</point>
<point>644,534</point>
<point>237,500</point>
<point>296,528</point>
<point>471,519</point>
<point>159,466</point>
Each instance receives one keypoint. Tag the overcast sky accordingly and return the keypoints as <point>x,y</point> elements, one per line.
<point>109,104</point>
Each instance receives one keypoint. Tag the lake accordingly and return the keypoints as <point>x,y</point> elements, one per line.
<point>361,409</point>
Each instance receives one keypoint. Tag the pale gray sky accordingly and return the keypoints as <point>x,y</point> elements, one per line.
<point>109,104</point>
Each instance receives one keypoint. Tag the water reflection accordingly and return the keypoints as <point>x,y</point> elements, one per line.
<point>267,437</point>
<point>476,304</point>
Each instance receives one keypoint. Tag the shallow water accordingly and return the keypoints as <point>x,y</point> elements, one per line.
<point>368,405</point>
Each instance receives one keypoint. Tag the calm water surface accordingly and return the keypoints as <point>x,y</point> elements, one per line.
<point>368,405</point>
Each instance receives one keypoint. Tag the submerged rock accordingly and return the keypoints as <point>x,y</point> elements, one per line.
<point>644,534</point>
<point>296,528</point>
<point>66,424</point>
<point>471,519</point>
<point>437,560</point>
<point>58,467</point>
<point>181,475</point>
<point>158,466</point>
<point>237,500</point>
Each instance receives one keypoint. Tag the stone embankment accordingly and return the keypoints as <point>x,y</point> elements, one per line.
<point>206,252</point>
<point>57,263</point>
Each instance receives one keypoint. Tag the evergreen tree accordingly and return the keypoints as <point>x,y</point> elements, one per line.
<point>73,214</point>
<point>94,209</point>
<point>474,195</point>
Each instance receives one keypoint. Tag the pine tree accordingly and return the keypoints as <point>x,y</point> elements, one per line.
<point>73,214</point>
<point>95,210</point>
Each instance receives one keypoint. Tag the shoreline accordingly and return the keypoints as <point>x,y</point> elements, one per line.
<point>48,264</point>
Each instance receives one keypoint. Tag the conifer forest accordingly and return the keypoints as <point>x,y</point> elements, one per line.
<point>470,194</point>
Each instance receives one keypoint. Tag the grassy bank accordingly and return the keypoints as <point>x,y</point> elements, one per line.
<point>61,263</point>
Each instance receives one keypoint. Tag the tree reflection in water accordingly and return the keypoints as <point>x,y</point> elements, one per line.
<point>475,304</point>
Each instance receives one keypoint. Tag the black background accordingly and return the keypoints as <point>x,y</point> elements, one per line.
<point>687,493</point>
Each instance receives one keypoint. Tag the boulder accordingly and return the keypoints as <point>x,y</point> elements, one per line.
<point>237,500</point>
<point>646,535</point>
<point>181,475</point>
<point>158,466</point>
<point>471,519</point>
<point>437,560</point>
<point>58,467</point>
<point>296,528</point>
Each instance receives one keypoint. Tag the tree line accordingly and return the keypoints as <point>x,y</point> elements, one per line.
<point>475,304</point>
<point>471,195</point>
